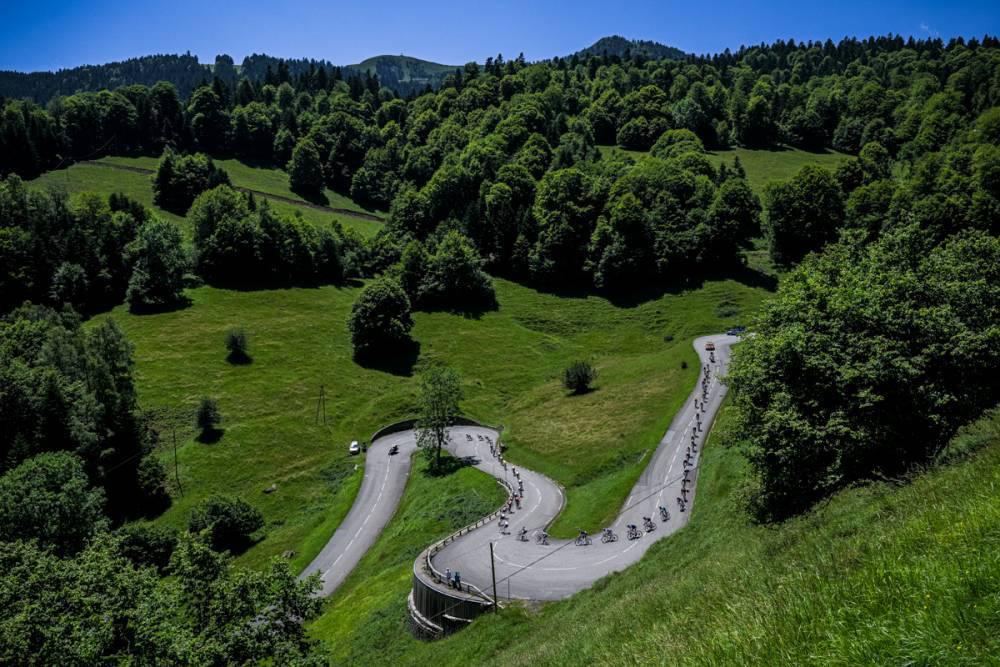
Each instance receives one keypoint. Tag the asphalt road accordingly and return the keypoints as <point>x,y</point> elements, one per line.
<point>526,569</point>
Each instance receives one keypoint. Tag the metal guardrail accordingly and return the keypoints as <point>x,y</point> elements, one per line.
<point>436,574</point>
<point>411,423</point>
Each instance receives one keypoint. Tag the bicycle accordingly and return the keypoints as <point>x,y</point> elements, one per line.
<point>633,532</point>
<point>583,539</point>
<point>542,538</point>
<point>608,536</point>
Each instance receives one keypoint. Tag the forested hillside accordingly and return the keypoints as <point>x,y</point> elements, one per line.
<point>626,48</point>
<point>404,75</point>
<point>880,342</point>
<point>183,71</point>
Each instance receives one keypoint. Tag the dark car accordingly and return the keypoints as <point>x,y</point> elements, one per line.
<point>736,331</point>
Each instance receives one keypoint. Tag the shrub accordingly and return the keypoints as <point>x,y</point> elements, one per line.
<point>238,345</point>
<point>579,376</point>
<point>49,499</point>
<point>147,544</point>
<point>229,521</point>
<point>181,178</point>
<point>208,416</point>
<point>151,484</point>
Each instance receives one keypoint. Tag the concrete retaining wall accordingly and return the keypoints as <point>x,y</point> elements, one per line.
<point>436,609</point>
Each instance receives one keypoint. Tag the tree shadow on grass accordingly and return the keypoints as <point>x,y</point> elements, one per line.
<point>241,546</point>
<point>449,465</point>
<point>754,278</point>
<point>318,198</point>
<point>157,309</point>
<point>239,358</point>
<point>210,436</point>
<point>397,360</point>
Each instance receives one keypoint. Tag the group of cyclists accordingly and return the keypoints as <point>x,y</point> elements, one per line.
<point>633,532</point>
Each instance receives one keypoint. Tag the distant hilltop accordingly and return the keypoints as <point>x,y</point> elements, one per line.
<point>616,45</point>
<point>404,74</point>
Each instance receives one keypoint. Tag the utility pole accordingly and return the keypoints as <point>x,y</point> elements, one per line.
<point>493,571</point>
<point>177,475</point>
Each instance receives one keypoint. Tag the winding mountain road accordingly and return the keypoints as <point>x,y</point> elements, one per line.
<point>527,569</point>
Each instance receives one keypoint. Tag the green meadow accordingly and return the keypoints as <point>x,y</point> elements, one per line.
<point>102,176</point>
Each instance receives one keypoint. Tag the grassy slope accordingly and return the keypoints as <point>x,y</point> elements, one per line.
<point>369,609</point>
<point>94,178</point>
<point>762,166</point>
<point>768,166</point>
<point>878,575</point>
<point>510,361</point>
<point>244,174</point>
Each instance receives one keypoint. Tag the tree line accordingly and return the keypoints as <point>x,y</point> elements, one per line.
<point>77,583</point>
<point>876,350</point>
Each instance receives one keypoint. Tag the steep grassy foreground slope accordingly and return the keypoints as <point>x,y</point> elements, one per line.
<point>878,575</point>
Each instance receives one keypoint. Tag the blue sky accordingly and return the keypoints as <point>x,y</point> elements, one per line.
<point>48,34</point>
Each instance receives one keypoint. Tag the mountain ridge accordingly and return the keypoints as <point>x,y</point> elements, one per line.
<point>402,73</point>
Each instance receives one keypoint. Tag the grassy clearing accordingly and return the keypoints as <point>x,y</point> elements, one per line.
<point>767,166</point>
<point>878,575</point>
<point>263,178</point>
<point>95,178</point>
<point>367,616</point>
<point>510,361</point>
<point>762,166</point>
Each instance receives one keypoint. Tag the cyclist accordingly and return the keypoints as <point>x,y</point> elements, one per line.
<point>523,534</point>
<point>664,513</point>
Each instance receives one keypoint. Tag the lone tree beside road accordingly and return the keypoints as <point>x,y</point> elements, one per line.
<point>229,521</point>
<point>440,393</point>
